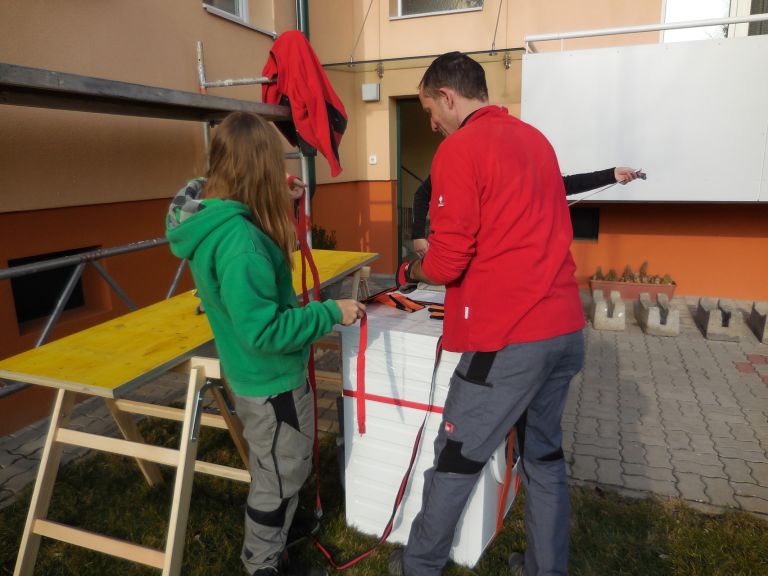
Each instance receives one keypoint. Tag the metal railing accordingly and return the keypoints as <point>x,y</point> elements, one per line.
<point>635,29</point>
<point>80,261</point>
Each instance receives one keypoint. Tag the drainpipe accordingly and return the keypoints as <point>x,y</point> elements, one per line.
<point>307,162</point>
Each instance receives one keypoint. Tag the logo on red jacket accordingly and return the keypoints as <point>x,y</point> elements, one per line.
<point>440,202</point>
<point>449,427</point>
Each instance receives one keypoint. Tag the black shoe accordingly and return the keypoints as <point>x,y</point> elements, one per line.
<point>395,563</point>
<point>302,527</point>
<point>517,563</point>
<point>294,567</point>
<point>266,572</point>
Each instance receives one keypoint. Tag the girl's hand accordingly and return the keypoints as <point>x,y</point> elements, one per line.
<point>351,311</point>
<point>296,187</point>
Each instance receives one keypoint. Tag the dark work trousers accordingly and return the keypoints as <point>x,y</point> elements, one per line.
<point>488,394</point>
<point>280,434</point>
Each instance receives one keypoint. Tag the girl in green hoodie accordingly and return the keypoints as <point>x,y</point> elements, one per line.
<point>236,231</point>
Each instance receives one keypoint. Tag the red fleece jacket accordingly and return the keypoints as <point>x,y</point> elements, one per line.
<point>317,112</point>
<point>500,236</point>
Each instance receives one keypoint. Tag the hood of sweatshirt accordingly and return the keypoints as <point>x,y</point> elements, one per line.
<point>190,220</point>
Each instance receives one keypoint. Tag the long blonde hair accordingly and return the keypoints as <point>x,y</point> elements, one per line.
<point>246,164</point>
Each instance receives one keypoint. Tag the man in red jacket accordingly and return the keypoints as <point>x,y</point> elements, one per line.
<point>500,243</point>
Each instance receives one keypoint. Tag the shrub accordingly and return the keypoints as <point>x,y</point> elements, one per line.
<point>640,277</point>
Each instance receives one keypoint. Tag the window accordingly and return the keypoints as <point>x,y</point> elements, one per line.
<point>407,8</point>
<point>758,28</point>
<point>35,295</point>
<point>586,222</point>
<point>236,8</point>
<point>688,11</point>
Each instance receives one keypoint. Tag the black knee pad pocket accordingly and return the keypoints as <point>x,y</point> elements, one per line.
<point>451,460</point>
<point>273,519</point>
<point>285,409</point>
<point>479,368</point>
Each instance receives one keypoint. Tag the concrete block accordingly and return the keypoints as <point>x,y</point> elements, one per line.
<point>758,321</point>
<point>657,319</point>
<point>607,314</point>
<point>718,319</point>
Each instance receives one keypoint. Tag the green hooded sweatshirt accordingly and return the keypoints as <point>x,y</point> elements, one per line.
<point>261,334</point>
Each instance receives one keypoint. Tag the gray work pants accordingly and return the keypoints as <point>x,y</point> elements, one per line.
<point>280,435</point>
<point>489,392</point>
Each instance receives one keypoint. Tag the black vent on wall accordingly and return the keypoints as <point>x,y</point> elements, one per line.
<point>35,295</point>
<point>586,222</point>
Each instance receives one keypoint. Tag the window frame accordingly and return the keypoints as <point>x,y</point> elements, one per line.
<point>398,6</point>
<point>241,17</point>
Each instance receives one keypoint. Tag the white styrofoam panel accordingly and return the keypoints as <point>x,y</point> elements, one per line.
<point>691,114</point>
<point>376,461</point>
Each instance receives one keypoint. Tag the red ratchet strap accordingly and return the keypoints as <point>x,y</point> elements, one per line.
<point>302,229</point>
<point>403,484</point>
<point>396,300</point>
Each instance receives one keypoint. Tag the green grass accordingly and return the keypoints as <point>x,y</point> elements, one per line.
<point>610,534</point>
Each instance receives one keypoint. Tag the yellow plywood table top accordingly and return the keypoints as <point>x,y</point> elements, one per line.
<point>332,265</point>
<point>138,346</point>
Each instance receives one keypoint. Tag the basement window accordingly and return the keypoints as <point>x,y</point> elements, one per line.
<point>35,295</point>
<point>586,222</point>
<point>235,8</point>
<point>410,8</point>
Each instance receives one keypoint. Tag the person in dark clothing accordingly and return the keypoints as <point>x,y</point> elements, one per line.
<point>574,184</point>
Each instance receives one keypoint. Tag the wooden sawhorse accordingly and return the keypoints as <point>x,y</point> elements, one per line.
<point>110,360</point>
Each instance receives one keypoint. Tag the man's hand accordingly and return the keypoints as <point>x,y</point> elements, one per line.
<point>420,246</point>
<point>296,187</point>
<point>624,174</point>
<point>404,280</point>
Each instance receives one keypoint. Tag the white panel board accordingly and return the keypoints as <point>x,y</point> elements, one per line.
<point>692,115</point>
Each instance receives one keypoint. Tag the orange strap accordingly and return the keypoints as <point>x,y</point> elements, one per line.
<point>504,488</point>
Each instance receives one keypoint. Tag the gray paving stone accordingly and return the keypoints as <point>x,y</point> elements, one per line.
<point>703,470</point>
<point>595,451</point>
<point>757,505</point>
<point>719,430</point>
<point>720,492</point>
<point>662,487</point>
<point>759,472</point>
<point>648,471</point>
<point>743,432</point>
<point>608,428</point>
<point>678,440</point>
<point>586,425</point>
<point>633,453</point>
<point>584,467</point>
<point>702,443</point>
<point>596,440</point>
<point>737,470</point>
<point>609,472</point>
<point>658,456</point>
<point>691,487</point>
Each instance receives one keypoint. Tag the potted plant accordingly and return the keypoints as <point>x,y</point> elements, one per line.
<point>630,284</point>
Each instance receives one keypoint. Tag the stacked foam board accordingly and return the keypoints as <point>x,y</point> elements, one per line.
<point>399,362</point>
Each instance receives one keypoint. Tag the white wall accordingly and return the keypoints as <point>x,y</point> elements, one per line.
<point>692,115</point>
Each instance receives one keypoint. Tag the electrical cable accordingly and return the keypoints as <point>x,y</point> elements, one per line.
<point>352,54</point>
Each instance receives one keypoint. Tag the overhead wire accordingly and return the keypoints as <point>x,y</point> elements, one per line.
<point>359,34</point>
<point>496,29</point>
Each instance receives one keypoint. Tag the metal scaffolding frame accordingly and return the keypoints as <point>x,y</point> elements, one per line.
<point>249,81</point>
<point>42,88</point>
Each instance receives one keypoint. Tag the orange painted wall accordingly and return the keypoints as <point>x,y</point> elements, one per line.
<point>145,276</point>
<point>708,249</point>
<point>364,216</point>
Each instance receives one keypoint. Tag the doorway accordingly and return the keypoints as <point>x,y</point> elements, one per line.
<point>416,146</point>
